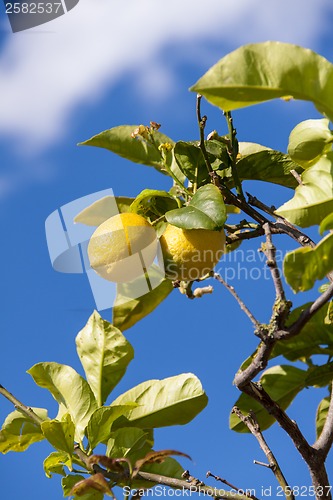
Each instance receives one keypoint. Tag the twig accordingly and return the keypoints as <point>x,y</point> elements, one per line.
<point>270,252</point>
<point>244,308</point>
<point>253,426</point>
<point>232,486</point>
<point>297,176</point>
<point>21,407</point>
<point>233,152</point>
<point>202,124</point>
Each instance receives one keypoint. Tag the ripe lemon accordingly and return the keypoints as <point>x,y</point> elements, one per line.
<point>122,247</point>
<point>189,254</point>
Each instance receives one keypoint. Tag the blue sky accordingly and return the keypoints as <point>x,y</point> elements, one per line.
<point>105,64</point>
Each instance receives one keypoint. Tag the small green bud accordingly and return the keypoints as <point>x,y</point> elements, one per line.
<point>310,140</point>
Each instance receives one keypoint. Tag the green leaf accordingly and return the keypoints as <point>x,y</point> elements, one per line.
<point>101,210</point>
<point>19,431</point>
<point>191,162</point>
<point>309,140</point>
<point>282,383</point>
<point>259,72</point>
<point>313,199</point>
<point>303,266</point>
<point>60,433</point>
<point>321,415</point>
<point>55,462</point>
<point>104,353</point>
<point>129,308</point>
<point>119,141</point>
<point>100,423</point>
<point>129,442</point>
<point>172,401</point>
<point>68,484</point>
<point>326,224</point>
<point>69,389</point>
<point>153,203</point>
<point>268,166</point>
<point>319,376</point>
<point>206,210</point>
<point>316,337</point>
<point>169,468</point>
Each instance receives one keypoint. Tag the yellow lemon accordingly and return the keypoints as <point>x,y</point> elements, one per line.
<point>122,247</point>
<point>190,254</point>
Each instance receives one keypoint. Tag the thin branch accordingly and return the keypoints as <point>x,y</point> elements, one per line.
<point>251,423</point>
<point>26,410</point>
<point>295,174</point>
<point>244,308</point>
<point>270,252</point>
<point>227,483</point>
<point>202,124</point>
<point>257,392</point>
<point>233,152</point>
<point>325,440</point>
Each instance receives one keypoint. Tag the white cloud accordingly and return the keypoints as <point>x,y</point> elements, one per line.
<point>46,74</point>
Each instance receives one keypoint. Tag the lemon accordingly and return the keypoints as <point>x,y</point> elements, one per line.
<point>122,247</point>
<point>189,254</point>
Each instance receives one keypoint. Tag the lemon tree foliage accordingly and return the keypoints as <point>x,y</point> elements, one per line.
<point>168,239</point>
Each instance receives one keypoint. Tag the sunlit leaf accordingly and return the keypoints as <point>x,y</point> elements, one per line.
<point>60,434</point>
<point>326,224</point>
<point>18,431</point>
<point>134,302</point>
<point>321,415</point>
<point>304,266</point>
<point>172,401</point>
<point>100,423</point>
<point>104,353</point>
<point>69,482</point>
<point>101,210</point>
<point>205,211</point>
<point>309,140</point>
<point>55,462</point>
<point>313,199</point>
<point>119,141</point>
<point>69,389</point>
<point>282,383</point>
<point>262,71</point>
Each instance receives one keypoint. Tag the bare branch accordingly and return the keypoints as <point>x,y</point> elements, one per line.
<point>244,308</point>
<point>253,426</point>
<point>270,252</point>
<point>26,410</point>
<point>227,483</point>
<point>202,124</point>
